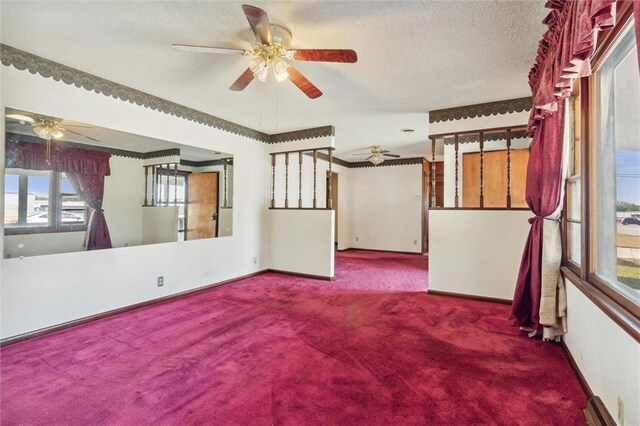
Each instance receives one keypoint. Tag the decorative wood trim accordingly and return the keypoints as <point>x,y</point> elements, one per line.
<point>299,274</point>
<point>625,319</point>
<point>596,413</point>
<point>491,130</point>
<point>470,297</point>
<point>583,381</point>
<point>299,208</point>
<point>487,137</point>
<point>387,163</point>
<point>206,163</point>
<point>481,110</point>
<point>298,135</point>
<point>59,327</point>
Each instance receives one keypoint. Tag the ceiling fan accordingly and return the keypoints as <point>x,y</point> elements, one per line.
<point>272,52</point>
<point>376,155</point>
<point>48,127</point>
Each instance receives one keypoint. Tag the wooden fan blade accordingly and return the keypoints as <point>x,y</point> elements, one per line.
<point>369,158</point>
<point>79,134</point>
<point>384,151</point>
<point>303,84</point>
<point>391,155</point>
<point>259,22</point>
<point>78,125</point>
<point>325,55</point>
<point>243,81</point>
<point>210,49</point>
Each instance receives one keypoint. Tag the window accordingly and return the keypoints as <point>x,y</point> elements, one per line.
<point>171,190</point>
<point>615,205</point>
<point>41,202</point>
<point>573,190</point>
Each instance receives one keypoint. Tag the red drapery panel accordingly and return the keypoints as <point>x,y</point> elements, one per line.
<point>563,55</point>
<point>636,17</point>
<point>544,176</point>
<point>91,189</point>
<point>33,156</point>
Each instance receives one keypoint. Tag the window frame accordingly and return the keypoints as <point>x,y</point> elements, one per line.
<point>55,209</point>
<point>613,303</point>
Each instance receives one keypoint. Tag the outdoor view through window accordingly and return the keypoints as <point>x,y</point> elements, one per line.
<point>617,160</point>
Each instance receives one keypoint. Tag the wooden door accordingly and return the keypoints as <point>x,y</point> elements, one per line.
<point>202,206</point>
<point>495,178</point>
<point>426,185</point>
<point>334,198</point>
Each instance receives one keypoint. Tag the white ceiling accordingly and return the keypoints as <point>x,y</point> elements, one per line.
<point>413,57</point>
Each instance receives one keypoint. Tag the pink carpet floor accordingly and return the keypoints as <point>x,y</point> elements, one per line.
<point>370,348</point>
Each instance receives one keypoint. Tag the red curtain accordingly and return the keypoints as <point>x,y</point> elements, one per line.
<point>544,177</point>
<point>91,189</point>
<point>636,17</point>
<point>33,156</point>
<point>563,55</point>
<point>86,171</point>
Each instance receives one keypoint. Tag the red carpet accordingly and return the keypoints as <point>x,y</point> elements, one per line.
<point>371,348</point>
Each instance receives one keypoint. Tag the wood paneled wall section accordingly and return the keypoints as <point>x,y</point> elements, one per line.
<point>495,178</point>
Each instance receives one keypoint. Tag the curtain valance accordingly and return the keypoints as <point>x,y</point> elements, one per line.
<point>565,51</point>
<point>33,156</point>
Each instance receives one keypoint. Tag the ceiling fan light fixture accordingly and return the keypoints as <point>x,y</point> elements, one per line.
<point>280,69</point>
<point>377,159</point>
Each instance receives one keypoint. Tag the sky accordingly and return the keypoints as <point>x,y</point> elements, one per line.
<point>37,184</point>
<point>628,176</point>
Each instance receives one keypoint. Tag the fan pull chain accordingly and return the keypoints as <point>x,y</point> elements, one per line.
<point>49,151</point>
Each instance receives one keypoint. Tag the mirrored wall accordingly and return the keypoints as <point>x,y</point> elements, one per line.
<point>70,187</point>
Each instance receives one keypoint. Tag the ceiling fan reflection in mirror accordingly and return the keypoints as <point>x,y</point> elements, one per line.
<point>48,128</point>
<point>272,52</point>
<point>376,155</point>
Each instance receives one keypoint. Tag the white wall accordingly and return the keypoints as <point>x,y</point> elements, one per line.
<point>159,224</point>
<point>302,241</point>
<point>123,199</point>
<point>476,252</point>
<point>43,291</point>
<point>384,208</point>
<point>607,356</point>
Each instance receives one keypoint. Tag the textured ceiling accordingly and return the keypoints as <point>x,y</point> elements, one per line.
<point>413,57</point>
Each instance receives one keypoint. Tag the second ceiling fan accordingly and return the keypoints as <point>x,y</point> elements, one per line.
<point>272,52</point>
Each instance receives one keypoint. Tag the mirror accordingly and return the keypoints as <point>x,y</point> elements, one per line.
<point>70,186</point>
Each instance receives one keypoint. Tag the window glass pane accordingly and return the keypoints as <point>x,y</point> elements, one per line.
<point>11,195</point>
<point>573,199</point>
<point>574,239</point>
<point>617,159</point>
<point>73,209</point>
<point>38,201</point>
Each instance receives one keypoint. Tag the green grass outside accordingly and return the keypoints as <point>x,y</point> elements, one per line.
<point>629,273</point>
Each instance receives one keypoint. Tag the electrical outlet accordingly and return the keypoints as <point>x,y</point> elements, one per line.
<point>160,281</point>
<point>255,260</point>
<point>357,239</point>
<point>620,411</point>
<point>415,242</point>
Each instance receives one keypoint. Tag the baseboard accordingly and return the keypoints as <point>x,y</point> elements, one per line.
<point>300,274</point>
<point>596,414</point>
<point>583,382</point>
<point>470,297</point>
<point>381,251</point>
<point>91,318</point>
